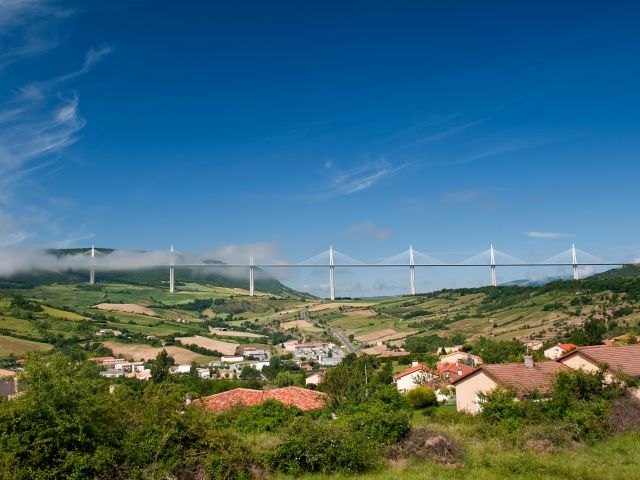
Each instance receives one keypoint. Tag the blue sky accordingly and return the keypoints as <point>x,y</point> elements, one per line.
<point>285,126</point>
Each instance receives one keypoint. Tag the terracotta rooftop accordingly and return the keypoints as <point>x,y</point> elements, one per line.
<point>299,397</point>
<point>521,378</point>
<point>410,370</point>
<point>625,358</point>
<point>567,346</point>
<point>454,371</point>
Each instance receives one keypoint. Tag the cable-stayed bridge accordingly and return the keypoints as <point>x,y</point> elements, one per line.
<point>411,259</point>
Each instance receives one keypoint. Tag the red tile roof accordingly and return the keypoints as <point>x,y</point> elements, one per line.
<point>519,377</point>
<point>454,371</point>
<point>413,369</point>
<point>299,397</point>
<point>625,358</point>
<point>567,346</point>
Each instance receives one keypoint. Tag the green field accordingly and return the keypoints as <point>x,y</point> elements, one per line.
<point>17,346</point>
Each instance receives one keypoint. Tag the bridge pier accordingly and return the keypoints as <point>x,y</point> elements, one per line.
<point>412,271</point>
<point>92,268</point>
<point>494,277</point>
<point>332,285</point>
<point>574,262</point>
<point>172,276</point>
<point>251,277</point>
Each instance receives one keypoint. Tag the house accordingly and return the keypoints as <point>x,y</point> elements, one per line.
<point>302,398</point>
<point>617,358</point>
<point>558,350</point>
<point>108,332</point>
<point>140,374</point>
<point>460,357</point>
<point>129,366</point>
<point>525,378</point>
<point>203,372</point>
<point>414,376</point>
<point>314,378</point>
<point>627,338</point>
<point>452,372</point>
<point>255,353</point>
<point>534,345</point>
<point>184,368</point>
<point>112,373</point>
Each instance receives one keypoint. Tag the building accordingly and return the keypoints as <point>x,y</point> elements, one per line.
<point>534,345</point>
<point>255,353</point>
<point>617,359</point>
<point>460,357</point>
<point>184,368</point>
<point>112,373</point>
<point>558,350</point>
<point>626,339</point>
<point>231,358</point>
<point>452,372</point>
<point>203,372</point>
<point>105,332</point>
<point>414,376</point>
<point>302,398</point>
<point>524,378</point>
<point>314,378</point>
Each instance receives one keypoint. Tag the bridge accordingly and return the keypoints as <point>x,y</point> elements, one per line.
<point>411,259</point>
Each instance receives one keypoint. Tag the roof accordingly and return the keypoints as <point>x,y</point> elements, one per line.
<point>410,370</point>
<point>519,377</point>
<point>625,358</point>
<point>567,346</point>
<point>7,373</point>
<point>454,369</point>
<point>302,398</point>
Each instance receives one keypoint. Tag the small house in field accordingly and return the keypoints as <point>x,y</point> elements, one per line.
<point>524,378</point>
<point>417,374</point>
<point>460,357</point>
<point>314,378</point>
<point>558,350</point>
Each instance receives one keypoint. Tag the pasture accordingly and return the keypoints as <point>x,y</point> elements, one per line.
<point>141,352</point>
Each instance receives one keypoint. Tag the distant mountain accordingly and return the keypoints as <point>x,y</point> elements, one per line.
<point>154,276</point>
<point>533,283</point>
<point>626,272</point>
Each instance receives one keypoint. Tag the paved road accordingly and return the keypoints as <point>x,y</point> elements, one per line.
<point>344,341</point>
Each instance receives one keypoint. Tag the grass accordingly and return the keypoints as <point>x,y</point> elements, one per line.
<point>18,346</point>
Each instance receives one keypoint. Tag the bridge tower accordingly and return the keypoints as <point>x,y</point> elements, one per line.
<point>412,271</point>
<point>574,261</point>
<point>172,273</point>
<point>92,267</point>
<point>332,285</point>
<point>251,277</point>
<point>494,278</point>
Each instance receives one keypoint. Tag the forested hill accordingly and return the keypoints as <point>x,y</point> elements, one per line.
<point>154,277</point>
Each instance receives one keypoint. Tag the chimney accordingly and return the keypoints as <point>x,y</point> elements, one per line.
<point>415,363</point>
<point>459,371</point>
<point>528,361</point>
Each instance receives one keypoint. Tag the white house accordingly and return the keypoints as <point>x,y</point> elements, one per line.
<point>460,357</point>
<point>231,358</point>
<point>314,378</point>
<point>184,368</point>
<point>414,376</point>
<point>203,372</point>
<point>558,350</point>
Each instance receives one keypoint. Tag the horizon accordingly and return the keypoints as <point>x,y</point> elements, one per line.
<point>284,129</point>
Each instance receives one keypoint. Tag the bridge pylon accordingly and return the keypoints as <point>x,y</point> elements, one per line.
<point>494,277</point>
<point>172,273</point>
<point>332,285</point>
<point>251,277</point>
<point>412,271</point>
<point>92,267</point>
<point>574,262</point>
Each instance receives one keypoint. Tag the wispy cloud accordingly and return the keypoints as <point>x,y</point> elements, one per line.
<point>341,183</point>
<point>547,235</point>
<point>369,230</point>
<point>41,119</point>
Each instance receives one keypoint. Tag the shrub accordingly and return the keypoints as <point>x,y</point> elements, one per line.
<point>322,446</point>
<point>422,397</point>
<point>266,417</point>
<point>625,415</point>
<point>382,426</point>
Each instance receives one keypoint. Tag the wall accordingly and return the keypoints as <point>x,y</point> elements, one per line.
<point>467,391</point>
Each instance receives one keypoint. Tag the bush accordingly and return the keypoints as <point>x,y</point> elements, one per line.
<point>265,417</point>
<point>322,446</point>
<point>422,397</point>
<point>382,426</point>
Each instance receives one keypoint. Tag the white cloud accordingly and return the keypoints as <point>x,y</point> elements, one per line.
<point>547,235</point>
<point>341,183</point>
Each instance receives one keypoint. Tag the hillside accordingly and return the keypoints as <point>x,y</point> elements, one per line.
<point>151,277</point>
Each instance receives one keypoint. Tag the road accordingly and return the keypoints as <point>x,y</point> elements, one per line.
<point>344,341</point>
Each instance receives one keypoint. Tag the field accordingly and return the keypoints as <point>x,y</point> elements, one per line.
<point>231,333</point>
<point>126,308</point>
<point>18,346</point>
<point>226,348</point>
<point>146,352</point>
<point>300,324</point>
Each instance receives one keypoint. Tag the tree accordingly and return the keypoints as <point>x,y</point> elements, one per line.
<point>422,397</point>
<point>160,367</point>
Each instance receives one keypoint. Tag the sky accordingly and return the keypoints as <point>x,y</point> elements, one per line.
<point>282,127</point>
